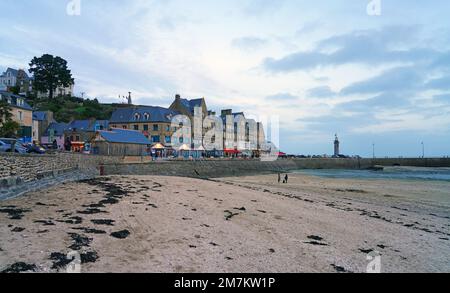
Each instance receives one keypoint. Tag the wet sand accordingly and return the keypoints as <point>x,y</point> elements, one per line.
<point>245,224</point>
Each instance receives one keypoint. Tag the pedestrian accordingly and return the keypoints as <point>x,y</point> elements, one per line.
<point>279,178</point>
<point>286,178</point>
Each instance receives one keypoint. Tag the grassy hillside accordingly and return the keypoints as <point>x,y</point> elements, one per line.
<point>66,109</point>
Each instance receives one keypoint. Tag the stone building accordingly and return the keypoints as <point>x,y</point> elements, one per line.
<point>187,107</point>
<point>22,113</point>
<point>153,122</point>
<point>241,134</point>
<point>193,109</point>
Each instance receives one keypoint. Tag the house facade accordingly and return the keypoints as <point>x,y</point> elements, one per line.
<point>153,122</point>
<point>16,77</point>
<point>192,109</point>
<point>41,121</point>
<point>59,91</point>
<point>54,132</point>
<point>81,132</point>
<point>22,113</point>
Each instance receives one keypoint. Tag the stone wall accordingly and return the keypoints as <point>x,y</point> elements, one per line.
<point>22,173</point>
<point>226,168</point>
<point>28,166</point>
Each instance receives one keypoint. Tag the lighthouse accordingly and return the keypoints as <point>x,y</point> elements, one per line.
<point>336,147</point>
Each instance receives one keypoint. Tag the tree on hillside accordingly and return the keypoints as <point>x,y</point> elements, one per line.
<point>50,73</point>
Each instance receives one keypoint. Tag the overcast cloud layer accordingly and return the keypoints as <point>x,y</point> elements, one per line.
<point>323,67</point>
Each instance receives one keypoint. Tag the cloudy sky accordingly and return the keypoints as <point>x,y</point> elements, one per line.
<point>322,67</point>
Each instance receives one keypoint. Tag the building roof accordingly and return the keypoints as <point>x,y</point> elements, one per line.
<point>143,114</point>
<point>117,135</point>
<point>59,128</point>
<point>191,104</point>
<point>15,101</point>
<point>15,73</point>
<point>40,115</point>
<point>235,115</point>
<point>88,125</point>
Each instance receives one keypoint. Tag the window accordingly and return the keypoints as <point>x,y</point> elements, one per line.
<point>156,139</point>
<point>155,127</point>
<point>168,139</point>
<point>78,138</point>
<point>145,127</point>
<point>137,116</point>
<point>124,126</point>
<point>167,128</point>
<point>181,140</point>
<point>136,127</point>
<point>146,116</point>
<point>20,116</point>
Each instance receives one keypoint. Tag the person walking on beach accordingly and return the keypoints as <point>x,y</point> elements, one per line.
<point>286,179</point>
<point>279,178</point>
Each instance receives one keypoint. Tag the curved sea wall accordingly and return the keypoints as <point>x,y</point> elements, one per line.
<point>22,173</point>
<point>227,168</point>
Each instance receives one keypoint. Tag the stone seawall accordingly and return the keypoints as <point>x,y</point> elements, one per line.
<point>21,173</point>
<point>229,168</point>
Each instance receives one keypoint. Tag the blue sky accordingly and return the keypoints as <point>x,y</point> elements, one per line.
<point>323,67</point>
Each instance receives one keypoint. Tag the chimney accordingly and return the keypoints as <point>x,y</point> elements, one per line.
<point>177,97</point>
<point>226,112</point>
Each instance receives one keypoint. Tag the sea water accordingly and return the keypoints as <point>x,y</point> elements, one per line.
<point>408,173</point>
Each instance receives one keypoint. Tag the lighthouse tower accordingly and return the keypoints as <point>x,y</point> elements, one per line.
<point>336,147</point>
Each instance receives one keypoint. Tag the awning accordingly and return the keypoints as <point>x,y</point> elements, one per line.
<point>231,151</point>
<point>281,154</point>
<point>184,147</point>
<point>201,148</point>
<point>158,146</point>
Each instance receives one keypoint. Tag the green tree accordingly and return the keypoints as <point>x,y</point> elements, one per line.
<point>15,89</point>
<point>8,128</point>
<point>50,73</point>
<point>5,112</point>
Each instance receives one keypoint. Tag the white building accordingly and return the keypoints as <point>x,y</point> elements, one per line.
<point>13,77</point>
<point>60,91</point>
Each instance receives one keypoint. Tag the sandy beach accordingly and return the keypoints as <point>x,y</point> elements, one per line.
<point>239,225</point>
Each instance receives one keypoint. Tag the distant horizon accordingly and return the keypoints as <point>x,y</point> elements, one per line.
<point>325,67</point>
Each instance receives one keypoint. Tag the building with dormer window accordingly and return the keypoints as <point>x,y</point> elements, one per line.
<point>153,122</point>
<point>22,113</point>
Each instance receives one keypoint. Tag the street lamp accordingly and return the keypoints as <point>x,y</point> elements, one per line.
<point>373,150</point>
<point>423,149</point>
